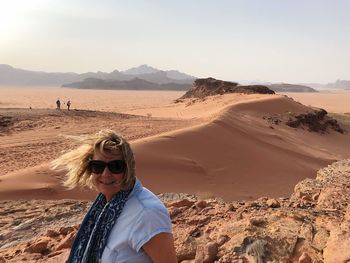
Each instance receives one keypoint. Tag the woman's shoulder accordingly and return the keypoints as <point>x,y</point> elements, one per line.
<point>149,200</point>
<point>141,199</point>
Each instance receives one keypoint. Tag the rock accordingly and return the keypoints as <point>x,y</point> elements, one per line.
<point>25,225</point>
<point>39,246</point>
<point>222,239</point>
<point>181,203</point>
<point>67,241</point>
<point>174,211</point>
<point>316,121</point>
<point>52,233</point>
<point>206,253</point>
<point>306,231</point>
<point>66,230</point>
<point>186,250</point>
<point>304,258</point>
<point>60,258</point>
<point>230,207</point>
<point>306,198</point>
<point>315,196</point>
<point>55,253</point>
<point>257,221</point>
<point>320,239</point>
<point>329,198</point>
<point>257,250</point>
<point>201,204</point>
<point>338,245</point>
<point>198,220</point>
<point>273,203</point>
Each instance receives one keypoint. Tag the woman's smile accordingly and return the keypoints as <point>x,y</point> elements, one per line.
<point>109,182</point>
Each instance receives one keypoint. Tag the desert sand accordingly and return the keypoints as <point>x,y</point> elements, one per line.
<point>332,101</point>
<point>99,100</point>
<point>219,146</point>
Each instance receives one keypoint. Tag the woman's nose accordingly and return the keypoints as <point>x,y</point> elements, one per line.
<point>106,172</point>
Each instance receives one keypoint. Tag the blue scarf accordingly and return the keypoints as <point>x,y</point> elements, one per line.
<point>94,231</point>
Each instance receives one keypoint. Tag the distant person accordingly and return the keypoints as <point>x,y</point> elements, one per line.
<point>58,104</point>
<point>126,222</point>
<point>68,104</point>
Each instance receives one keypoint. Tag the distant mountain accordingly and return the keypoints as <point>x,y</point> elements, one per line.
<point>160,76</point>
<point>143,69</point>
<point>340,84</point>
<point>174,74</point>
<point>133,84</point>
<point>13,76</point>
<point>284,87</point>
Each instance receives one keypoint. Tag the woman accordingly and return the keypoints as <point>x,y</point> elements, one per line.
<point>127,222</point>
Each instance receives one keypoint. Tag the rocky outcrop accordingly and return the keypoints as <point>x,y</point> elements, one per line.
<point>312,225</point>
<point>208,87</point>
<point>5,123</point>
<point>316,121</point>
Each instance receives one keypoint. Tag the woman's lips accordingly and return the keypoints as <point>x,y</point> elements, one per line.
<point>109,183</point>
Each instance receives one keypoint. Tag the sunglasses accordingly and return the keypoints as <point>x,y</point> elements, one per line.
<point>115,166</point>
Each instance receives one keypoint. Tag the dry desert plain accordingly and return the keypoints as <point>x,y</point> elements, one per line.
<point>219,146</point>
<point>222,146</point>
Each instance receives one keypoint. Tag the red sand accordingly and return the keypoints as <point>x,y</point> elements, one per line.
<point>237,155</point>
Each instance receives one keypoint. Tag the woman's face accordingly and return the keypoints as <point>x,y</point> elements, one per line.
<point>106,182</point>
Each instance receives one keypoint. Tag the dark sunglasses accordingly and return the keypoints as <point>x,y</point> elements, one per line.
<point>115,166</point>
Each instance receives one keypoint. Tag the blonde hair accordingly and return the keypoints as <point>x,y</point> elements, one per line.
<point>76,161</point>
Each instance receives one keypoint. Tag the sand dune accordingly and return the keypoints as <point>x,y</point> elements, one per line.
<point>235,153</point>
<point>38,182</point>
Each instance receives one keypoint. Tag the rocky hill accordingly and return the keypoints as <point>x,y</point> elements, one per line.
<point>133,84</point>
<point>210,86</point>
<point>284,87</point>
<point>312,225</point>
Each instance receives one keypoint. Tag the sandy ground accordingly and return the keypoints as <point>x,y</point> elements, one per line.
<point>99,100</point>
<point>220,146</point>
<point>331,101</point>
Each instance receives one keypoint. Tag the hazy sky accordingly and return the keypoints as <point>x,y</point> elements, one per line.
<point>268,40</point>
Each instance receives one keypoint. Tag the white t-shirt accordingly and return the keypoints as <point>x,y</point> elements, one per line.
<point>143,217</point>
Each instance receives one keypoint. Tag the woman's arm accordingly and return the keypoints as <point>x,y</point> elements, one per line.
<point>161,249</point>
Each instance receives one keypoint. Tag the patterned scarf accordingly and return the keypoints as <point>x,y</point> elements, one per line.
<point>94,231</point>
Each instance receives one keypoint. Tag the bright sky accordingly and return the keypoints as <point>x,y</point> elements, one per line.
<point>267,40</point>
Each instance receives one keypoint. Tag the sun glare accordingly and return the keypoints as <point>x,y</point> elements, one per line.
<point>14,13</point>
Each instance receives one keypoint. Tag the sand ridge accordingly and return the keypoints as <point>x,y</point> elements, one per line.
<point>238,155</point>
